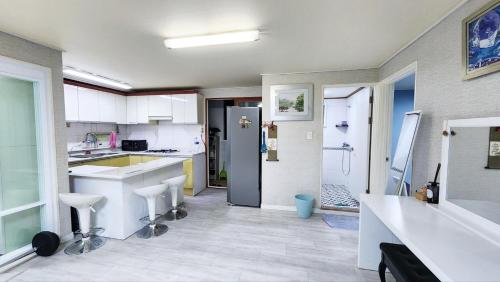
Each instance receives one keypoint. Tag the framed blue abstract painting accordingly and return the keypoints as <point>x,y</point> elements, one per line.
<point>481,46</point>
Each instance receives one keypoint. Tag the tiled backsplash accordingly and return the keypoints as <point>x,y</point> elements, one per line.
<point>161,135</point>
<point>77,130</point>
<point>166,135</point>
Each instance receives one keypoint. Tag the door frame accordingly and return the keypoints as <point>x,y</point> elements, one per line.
<point>47,166</point>
<point>387,85</point>
<point>370,117</point>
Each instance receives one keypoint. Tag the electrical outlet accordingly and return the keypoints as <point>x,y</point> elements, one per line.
<point>309,135</point>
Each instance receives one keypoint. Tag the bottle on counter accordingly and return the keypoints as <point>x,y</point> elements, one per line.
<point>196,146</point>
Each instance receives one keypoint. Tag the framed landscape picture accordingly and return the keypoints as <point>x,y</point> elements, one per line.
<point>481,41</point>
<point>292,102</point>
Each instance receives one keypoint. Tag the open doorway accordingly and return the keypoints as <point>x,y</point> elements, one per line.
<point>217,142</point>
<point>217,136</point>
<point>346,142</point>
<point>403,102</point>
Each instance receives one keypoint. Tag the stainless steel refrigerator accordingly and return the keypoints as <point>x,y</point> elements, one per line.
<point>244,158</point>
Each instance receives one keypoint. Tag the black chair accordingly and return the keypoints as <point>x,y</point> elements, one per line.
<point>402,264</point>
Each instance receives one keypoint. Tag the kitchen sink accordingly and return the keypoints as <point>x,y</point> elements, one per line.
<point>87,156</point>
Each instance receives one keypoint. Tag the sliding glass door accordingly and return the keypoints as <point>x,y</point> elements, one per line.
<point>28,185</point>
<point>20,201</point>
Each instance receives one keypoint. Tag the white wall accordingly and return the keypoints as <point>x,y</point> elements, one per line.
<point>440,91</point>
<point>298,169</point>
<point>232,92</point>
<point>23,50</point>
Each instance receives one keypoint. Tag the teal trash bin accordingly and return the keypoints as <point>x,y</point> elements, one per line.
<point>304,205</point>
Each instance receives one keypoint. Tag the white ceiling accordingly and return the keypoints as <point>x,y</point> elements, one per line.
<point>123,39</point>
<point>339,92</point>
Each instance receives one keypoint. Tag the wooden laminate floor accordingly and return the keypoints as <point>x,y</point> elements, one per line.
<point>215,242</point>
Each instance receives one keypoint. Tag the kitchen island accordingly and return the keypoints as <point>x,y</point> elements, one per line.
<point>121,210</point>
<point>194,163</point>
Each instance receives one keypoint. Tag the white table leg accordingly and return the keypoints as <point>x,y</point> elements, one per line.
<point>372,232</point>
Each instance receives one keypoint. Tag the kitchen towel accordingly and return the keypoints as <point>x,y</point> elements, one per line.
<point>112,140</point>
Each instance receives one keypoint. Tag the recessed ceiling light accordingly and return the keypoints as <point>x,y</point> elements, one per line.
<point>95,78</point>
<point>212,39</point>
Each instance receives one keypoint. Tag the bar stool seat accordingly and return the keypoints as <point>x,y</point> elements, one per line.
<point>89,239</point>
<point>153,229</point>
<point>176,186</point>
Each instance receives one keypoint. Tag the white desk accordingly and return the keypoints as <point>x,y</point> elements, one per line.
<point>450,250</point>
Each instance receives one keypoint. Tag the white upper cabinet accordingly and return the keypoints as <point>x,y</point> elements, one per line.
<point>193,109</point>
<point>142,109</point>
<point>71,102</point>
<point>178,108</point>
<point>187,108</point>
<point>107,107</point>
<point>160,107</point>
<point>131,109</point>
<point>88,105</point>
<point>121,109</point>
<point>137,109</point>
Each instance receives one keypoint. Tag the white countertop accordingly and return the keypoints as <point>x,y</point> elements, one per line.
<point>452,251</point>
<point>119,153</point>
<point>120,173</point>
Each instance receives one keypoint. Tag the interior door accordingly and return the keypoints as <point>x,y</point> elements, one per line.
<point>21,202</point>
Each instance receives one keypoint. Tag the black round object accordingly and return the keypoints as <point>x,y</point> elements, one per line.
<point>45,243</point>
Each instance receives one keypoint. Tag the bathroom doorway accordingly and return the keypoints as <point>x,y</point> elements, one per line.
<point>346,143</point>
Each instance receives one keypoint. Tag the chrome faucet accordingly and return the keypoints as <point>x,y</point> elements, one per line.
<point>90,138</point>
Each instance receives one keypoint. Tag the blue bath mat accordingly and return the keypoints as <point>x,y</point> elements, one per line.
<point>341,221</point>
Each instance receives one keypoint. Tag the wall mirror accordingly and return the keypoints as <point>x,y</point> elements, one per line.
<point>471,152</point>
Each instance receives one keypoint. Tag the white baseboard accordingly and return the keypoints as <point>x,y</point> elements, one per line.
<point>278,207</point>
<point>293,208</point>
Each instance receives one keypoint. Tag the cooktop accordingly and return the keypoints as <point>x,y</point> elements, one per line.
<point>163,151</point>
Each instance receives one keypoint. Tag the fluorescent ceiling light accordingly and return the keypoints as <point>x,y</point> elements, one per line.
<point>96,78</point>
<point>213,39</point>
